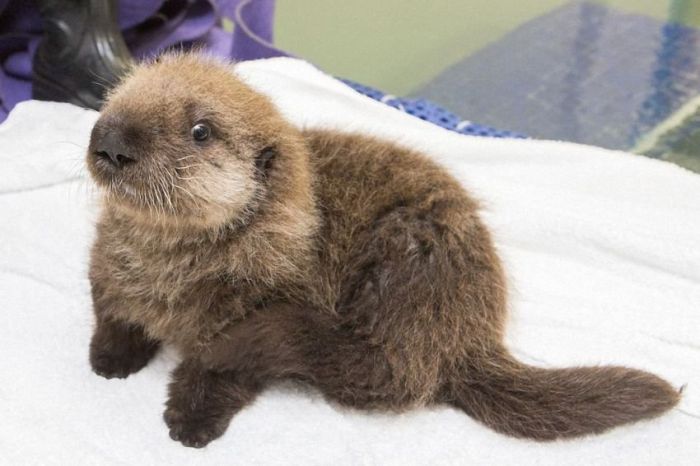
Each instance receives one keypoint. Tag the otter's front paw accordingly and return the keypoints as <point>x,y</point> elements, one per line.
<point>119,349</point>
<point>117,364</point>
<point>195,429</point>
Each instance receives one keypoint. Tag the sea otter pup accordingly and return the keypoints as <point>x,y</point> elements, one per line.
<point>261,252</point>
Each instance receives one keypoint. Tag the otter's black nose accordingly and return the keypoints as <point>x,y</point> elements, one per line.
<point>111,148</point>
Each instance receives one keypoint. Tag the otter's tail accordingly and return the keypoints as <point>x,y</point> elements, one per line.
<point>545,404</point>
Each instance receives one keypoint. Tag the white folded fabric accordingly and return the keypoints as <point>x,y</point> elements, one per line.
<point>602,249</point>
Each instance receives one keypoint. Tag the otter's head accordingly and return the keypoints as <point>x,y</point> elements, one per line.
<point>183,140</point>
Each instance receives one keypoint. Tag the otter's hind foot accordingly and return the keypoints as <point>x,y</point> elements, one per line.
<point>201,403</point>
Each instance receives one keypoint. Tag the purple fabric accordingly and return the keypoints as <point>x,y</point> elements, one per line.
<point>183,27</point>
<point>149,26</point>
<point>252,37</point>
<point>135,12</point>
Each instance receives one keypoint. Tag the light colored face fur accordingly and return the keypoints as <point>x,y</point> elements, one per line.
<point>169,173</point>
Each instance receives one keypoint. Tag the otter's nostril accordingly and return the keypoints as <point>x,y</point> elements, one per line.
<point>124,159</point>
<point>101,154</point>
<point>117,160</point>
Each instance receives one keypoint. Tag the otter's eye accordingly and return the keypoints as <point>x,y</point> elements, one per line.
<point>200,132</point>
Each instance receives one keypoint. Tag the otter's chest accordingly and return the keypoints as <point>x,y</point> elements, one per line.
<point>182,296</point>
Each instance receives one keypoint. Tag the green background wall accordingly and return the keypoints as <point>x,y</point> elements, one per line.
<point>397,45</point>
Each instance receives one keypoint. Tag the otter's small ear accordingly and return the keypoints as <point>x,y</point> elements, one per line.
<point>263,162</point>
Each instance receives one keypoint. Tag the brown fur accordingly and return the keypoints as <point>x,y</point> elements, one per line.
<point>347,262</point>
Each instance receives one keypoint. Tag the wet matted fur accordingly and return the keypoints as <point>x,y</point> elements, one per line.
<point>264,252</point>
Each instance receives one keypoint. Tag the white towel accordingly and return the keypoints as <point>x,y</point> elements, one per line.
<point>602,249</point>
